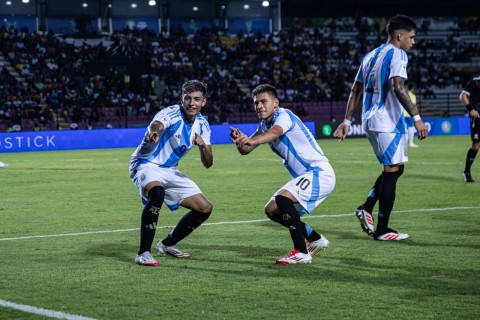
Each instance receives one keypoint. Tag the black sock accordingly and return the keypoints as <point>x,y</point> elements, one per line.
<point>291,220</point>
<point>150,218</point>
<point>185,226</point>
<point>386,196</point>
<point>373,195</point>
<point>471,154</point>
<point>308,232</point>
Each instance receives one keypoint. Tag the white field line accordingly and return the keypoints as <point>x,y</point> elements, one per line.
<point>41,311</point>
<point>325,216</point>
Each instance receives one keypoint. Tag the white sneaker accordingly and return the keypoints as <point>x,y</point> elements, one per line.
<point>413,145</point>
<point>146,259</point>
<point>315,246</point>
<point>366,220</point>
<point>391,235</point>
<point>295,257</point>
<point>3,164</point>
<point>172,250</point>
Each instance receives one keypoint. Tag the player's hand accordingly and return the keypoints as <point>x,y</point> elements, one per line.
<point>234,134</point>
<point>153,137</point>
<point>422,129</point>
<point>198,140</point>
<point>474,113</point>
<point>341,132</point>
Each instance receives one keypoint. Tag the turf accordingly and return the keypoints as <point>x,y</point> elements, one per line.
<point>69,234</point>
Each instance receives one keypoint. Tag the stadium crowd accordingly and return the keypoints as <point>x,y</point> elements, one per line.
<point>95,85</point>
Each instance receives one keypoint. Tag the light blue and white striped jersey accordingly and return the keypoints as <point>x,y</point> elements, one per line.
<point>382,111</point>
<point>296,146</point>
<point>175,139</point>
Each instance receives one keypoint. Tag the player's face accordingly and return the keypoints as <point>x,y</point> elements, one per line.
<point>406,39</point>
<point>192,104</point>
<point>265,106</point>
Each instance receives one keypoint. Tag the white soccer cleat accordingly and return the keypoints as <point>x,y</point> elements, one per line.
<point>366,220</point>
<point>3,164</point>
<point>146,259</point>
<point>315,246</point>
<point>391,235</point>
<point>172,250</point>
<point>295,257</point>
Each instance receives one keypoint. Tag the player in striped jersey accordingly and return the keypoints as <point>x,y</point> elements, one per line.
<point>381,82</point>
<point>313,178</point>
<point>153,169</point>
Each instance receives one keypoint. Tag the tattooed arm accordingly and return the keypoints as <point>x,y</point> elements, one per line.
<point>401,92</point>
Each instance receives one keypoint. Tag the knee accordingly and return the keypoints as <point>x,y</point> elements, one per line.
<point>271,209</point>
<point>156,195</point>
<point>206,208</point>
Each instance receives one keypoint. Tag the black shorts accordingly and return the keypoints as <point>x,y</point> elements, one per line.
<point>475,129</point>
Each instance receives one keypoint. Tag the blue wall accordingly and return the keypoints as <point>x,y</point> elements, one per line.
<point>99,139</point>
<point>130,138</point>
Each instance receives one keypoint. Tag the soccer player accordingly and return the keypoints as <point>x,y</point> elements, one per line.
<point>153,169</point>
<point>313,178</point>
<point>470,98</point>
<point>380,81</point>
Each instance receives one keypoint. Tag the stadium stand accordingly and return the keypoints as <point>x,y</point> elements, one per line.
<point>49,82</point>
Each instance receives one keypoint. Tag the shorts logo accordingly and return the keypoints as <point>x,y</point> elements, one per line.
<point>178,136</point>
<point>142,176</point>
<point>475,136</point>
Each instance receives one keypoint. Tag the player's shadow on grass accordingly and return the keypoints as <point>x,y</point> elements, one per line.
<point>124,252</point>
<point>435,177</point>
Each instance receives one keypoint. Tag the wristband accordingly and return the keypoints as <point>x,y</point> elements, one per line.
<point>347,122</point>
<point>416,117</point>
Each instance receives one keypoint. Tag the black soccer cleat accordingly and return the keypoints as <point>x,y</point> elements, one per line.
<point>467,177</point>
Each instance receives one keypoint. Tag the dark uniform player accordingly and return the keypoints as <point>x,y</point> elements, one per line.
<point>470,97</point>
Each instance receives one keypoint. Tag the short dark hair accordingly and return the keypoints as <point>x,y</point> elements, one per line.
<point>400,22</point>
<point>265,88</point>
<point>194,85</point>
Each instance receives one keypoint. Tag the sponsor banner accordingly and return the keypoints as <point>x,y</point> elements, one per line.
<point>436,126</point>
<point>100,139</point>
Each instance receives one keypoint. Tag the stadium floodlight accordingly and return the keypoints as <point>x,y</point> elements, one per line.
<point>265,3</point>
<point>195,8</point>
<point>25,1</point>
<point>8,3</point>
<point>246,6</point>
<point>133,5</point>
<point>85,5</point>
<point>152,2</point>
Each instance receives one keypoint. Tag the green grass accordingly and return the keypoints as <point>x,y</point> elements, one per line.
<point>85,205</point>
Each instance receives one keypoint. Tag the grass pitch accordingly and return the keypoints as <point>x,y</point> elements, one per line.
<point>69,234</point>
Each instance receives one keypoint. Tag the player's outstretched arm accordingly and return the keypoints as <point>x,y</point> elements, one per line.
<point>242,141</point>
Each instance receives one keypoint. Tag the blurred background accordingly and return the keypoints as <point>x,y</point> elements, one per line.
<point>82,64</point>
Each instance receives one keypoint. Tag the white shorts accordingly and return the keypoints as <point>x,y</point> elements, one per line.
<point>390,148</point>
<point>177,185</point>
<point>311,188</point>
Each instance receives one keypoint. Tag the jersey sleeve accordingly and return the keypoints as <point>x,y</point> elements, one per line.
<point>398,67</point>
<point>284,121</point>
<point>163,116</point>
<point>468,87</point>
<point>205,132</point>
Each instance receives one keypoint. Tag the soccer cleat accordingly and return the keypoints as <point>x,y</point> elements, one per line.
<point>172,250</point>
<point>391,235</point>
<point>366,220</point>
<point>146,259</point>
<point>413,145</point>
<point>315,246</point>
<point>468,177</point>
<point>3,164</point>
<point>295,257</point>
